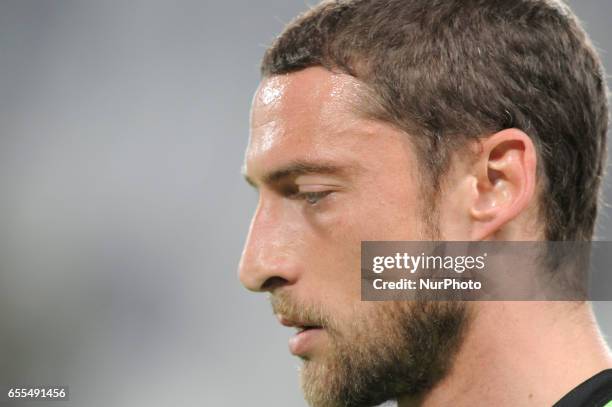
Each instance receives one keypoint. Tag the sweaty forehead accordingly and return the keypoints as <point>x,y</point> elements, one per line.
<point>312,90</point>
<point>303,109</point>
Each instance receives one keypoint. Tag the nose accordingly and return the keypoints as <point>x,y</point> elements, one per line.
<point>269,258</point>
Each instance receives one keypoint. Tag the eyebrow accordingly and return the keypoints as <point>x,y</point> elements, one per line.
<point>295,169</point>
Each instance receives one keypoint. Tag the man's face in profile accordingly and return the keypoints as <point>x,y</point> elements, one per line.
<point>328,179</point>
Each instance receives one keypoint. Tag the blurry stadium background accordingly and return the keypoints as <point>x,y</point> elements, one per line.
<point>122,209</point>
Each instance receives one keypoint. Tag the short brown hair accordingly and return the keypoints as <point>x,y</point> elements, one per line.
<point>446,71</point>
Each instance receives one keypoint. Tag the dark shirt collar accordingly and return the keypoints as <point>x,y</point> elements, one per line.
<point>595,392</point>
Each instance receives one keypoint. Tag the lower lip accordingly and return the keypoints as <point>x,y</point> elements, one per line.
<point>302,342</point>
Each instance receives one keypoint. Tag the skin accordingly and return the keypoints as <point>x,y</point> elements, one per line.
<point>323,176</point>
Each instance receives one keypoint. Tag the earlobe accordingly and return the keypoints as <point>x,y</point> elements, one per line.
<point>505,177</point>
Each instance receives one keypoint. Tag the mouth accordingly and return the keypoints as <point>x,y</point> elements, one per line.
<point>301,329</point>
<point>304,341</point>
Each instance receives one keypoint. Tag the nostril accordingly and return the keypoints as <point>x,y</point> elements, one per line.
<point>272,283</point>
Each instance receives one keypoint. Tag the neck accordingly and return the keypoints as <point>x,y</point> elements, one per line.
<point>521,353</point>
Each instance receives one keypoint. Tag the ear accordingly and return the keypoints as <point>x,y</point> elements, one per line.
<point>505,172</point>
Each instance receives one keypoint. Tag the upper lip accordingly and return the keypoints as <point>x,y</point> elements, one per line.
<point>294,323</point>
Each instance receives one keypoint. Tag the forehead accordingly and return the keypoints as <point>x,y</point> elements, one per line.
<point>309,114</point>
<point>312,99</point>
<point>313,90</point>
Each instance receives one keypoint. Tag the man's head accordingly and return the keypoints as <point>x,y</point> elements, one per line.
<point>411,120</point>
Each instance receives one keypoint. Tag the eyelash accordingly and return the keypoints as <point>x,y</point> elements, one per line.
<point>312,198</point>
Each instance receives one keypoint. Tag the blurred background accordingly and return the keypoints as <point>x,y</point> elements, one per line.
<point>122,208</point>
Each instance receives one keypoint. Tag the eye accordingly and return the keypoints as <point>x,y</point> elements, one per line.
<point>312,198</point>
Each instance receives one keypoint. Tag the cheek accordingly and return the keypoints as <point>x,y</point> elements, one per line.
<point>335,265</point>
<point>332,244</point>
<point>394,218</point>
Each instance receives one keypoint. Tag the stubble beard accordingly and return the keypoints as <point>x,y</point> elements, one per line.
<point>388,350</point>
<point>399,349</point>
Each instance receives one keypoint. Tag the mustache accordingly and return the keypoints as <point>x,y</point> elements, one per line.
<point>297,311</point>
